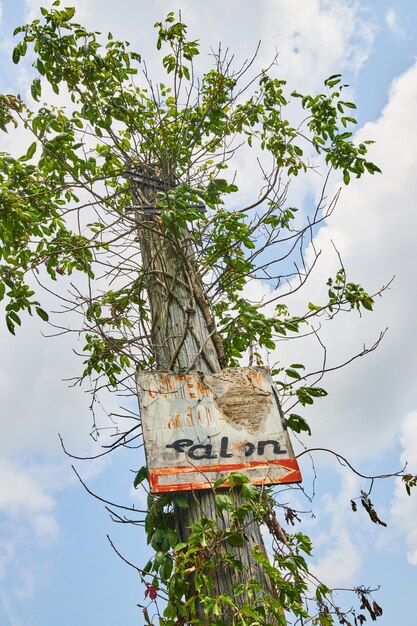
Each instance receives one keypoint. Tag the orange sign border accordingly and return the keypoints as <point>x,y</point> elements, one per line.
<point>293,476</point>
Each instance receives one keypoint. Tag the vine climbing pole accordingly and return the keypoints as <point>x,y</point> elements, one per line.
<point>185,338</point>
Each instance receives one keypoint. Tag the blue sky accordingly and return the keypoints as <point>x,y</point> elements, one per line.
<point>56,567</point>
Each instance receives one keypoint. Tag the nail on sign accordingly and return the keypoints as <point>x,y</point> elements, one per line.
<point>198,428</point>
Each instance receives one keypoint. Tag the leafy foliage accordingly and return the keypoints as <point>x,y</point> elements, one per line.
<point>184,133</point>
<point>168,149</point>
<point>182,573</point>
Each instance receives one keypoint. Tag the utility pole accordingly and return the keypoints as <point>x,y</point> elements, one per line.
<point>185,338</point>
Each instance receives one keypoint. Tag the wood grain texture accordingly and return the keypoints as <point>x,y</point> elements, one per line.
<point>184,338</point>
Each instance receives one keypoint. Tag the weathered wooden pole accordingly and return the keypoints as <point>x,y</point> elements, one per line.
<point>185,338</point>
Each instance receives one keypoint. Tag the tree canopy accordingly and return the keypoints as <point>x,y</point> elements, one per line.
<point>71,210</point>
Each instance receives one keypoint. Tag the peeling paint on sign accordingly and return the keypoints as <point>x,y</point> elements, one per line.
<point>198,428</point>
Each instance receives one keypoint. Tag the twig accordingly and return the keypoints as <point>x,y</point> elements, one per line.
<point>118,506</point>
<point>342,459</point>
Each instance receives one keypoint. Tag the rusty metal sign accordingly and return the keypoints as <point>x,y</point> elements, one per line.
<point>198,428</point>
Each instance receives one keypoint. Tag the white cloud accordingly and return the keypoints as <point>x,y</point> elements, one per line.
<point>6,555</point>
<point>32,8</point>
<point>27,509</point>
<point>21,493</point>
<point>313,41</point>
<point>317,39</point>
<point>36,402</point>
<point>340,546</point>
<point>28,519</point>
<point>404,507</point>
<point>408,440</point>
<point>374,230</point>
<point>45,526</point>
<point>36,405</point>
<point>393,23</point>
<point>341,562</point>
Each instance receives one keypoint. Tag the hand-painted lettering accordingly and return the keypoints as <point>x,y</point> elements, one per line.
<point>250,448</point>
<point>191,391</point>
<point>206,452</point>
<point>224,454</point>
<point>180,444</point>
<point>272,442</point>
<point>201,451</point>
<point>150,391</point>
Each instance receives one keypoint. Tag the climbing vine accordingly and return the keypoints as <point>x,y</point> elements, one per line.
<point>294,593</point>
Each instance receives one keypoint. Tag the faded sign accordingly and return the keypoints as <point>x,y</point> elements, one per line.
<point>199,427</point>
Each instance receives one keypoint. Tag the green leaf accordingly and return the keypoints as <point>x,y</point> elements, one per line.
<point>172,537</point>
<point>181,500</point>
<point>367,303</point>
<point>372,168</point>
<point>31,150</point>
<point>69,13</point>
<point>10,325</point>
<point>237,478</point>
<point>315,392</point>
<point>333,80</point>
<point>42,314</point>
<point>35,89</point>
<point>250,491</point>
<point>159,558</point>
<point>303,396</point>
<point>293,374</point>
<point>235,539</point>
<point>220,481</point>
<point>224,501</point>
<point>16,319</point>
<point>16,55</point>
<point>140,476</point>
<point>332,83</point>
<point>297,423</point>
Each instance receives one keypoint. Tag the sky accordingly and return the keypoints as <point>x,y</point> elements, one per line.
<point>56,565</point>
